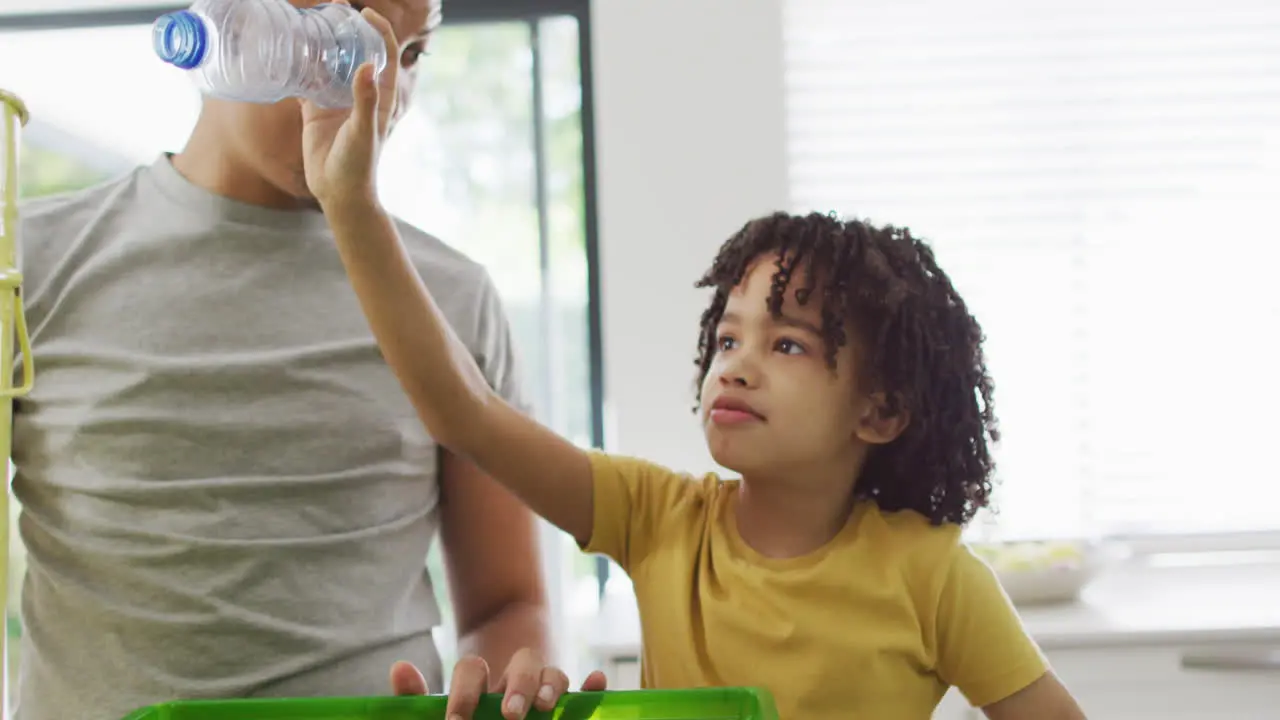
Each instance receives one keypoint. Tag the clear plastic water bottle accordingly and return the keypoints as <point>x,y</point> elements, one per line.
<point>263,51</point>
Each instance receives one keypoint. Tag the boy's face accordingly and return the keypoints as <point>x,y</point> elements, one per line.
<point>770,402</point>
<point>268,138</point>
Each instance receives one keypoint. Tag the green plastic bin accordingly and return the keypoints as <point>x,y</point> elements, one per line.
<point>696,704</point>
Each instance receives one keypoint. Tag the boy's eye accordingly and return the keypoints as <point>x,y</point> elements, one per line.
<point>790,347</point>
<point>725,342</point>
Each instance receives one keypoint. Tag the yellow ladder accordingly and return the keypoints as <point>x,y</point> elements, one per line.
<point>13,328</point>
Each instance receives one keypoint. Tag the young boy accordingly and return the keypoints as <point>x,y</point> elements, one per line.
<point>842,378</point>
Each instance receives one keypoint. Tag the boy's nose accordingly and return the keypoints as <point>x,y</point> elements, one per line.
<point>740,373</point>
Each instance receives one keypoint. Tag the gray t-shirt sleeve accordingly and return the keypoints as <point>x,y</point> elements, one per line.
<point>495,349</point>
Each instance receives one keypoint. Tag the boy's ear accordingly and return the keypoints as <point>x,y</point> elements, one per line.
<point>880,422</point>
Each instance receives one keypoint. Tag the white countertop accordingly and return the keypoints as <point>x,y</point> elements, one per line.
<point>1224,601</point>
<point>1136,604</point>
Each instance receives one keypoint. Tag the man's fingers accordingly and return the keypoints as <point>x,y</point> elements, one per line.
<point>469,681</point>
<point>526,685</point>
<point>554,683</point>
<point>595,682</point>
<point>407,680</point>
<point>522,679</point>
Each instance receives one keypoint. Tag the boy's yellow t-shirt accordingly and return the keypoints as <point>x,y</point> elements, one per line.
<point>876,625</point>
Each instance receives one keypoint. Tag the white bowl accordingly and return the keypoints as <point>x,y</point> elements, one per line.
<point>1049,571</point>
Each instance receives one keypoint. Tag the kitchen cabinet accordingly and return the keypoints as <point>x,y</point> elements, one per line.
<point>1238,680</point>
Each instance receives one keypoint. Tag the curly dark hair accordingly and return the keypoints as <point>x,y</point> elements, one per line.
<point>918,344</point>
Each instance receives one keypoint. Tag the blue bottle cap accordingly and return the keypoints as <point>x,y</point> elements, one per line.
<point>180,39</point>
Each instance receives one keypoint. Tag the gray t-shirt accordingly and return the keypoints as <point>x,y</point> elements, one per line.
<point>225,490</point>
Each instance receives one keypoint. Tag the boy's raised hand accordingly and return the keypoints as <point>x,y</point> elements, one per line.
<point>341,146</point>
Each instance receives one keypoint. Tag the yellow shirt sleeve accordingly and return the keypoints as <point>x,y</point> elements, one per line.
<point>633,501</point>
<point>983,649</point>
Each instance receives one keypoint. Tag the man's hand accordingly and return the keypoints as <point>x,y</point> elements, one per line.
<point>527,681</point>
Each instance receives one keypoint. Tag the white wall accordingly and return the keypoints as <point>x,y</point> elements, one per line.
<point>690,139</point>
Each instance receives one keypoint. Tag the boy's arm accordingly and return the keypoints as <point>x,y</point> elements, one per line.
<point>452,396</point>
<point>984,651</point>
<point>489,539</point>
<point>1044,699</point>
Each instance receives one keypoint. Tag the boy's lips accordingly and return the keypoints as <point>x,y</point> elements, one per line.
<point>729,410</point>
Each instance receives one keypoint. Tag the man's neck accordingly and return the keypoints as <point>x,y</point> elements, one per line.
<point>204,163</point>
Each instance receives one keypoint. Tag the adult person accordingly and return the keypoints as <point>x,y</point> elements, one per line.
<point>225,491</point>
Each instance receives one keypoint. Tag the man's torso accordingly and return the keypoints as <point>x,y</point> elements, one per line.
<point>225,491</point>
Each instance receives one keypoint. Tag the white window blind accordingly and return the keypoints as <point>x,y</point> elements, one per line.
<point>1099,180</point>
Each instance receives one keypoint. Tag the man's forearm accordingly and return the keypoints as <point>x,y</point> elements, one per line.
<point>516,626</point>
